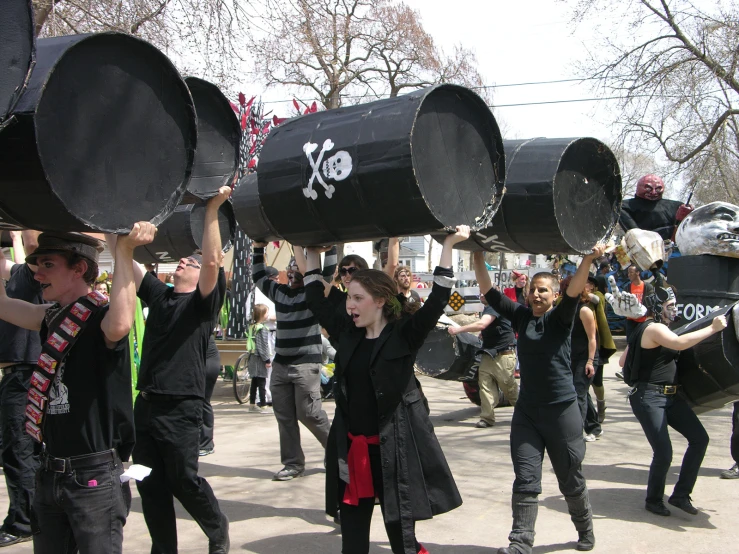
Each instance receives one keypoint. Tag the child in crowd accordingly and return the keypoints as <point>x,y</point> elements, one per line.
<point>261,359</point>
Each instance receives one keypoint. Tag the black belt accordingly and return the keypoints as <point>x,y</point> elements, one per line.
<point>664,389</point>
<point>7,370</point>
<point>156,397</point>
<point>65,465</point>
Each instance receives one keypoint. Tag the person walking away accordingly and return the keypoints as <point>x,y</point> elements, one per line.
<point>260,361</point>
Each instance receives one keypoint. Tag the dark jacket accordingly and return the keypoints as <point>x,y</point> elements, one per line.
<point>417,481</point>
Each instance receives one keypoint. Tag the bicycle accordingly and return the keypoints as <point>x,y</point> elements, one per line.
<point>242,379</point>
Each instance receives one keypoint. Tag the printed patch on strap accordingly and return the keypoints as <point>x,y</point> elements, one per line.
<point>47,363</point>
<point>34,414</point>
<point>57,342</point>
<point>39,381</point>
<point>34,430</point>
<point>80,312</point>
<point>69,327</point>
<point>97,298</point>
<point>36,398</point>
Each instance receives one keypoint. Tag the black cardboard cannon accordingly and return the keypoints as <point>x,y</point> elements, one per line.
<point>103,136</point>
<point>17,52</point>
<point>413,164</point>
<point>703,283</point>
<point>182,234</point>
<point>562,195</point>
<point>709,371</point>
<point>217,154</point>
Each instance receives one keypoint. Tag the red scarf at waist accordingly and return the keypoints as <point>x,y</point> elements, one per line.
<point>360,473</point>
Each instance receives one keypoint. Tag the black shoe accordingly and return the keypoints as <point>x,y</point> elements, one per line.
<point>684,504</point>
<point>288,473</point>
<point>658,508</point>
<point>224,545</point>
<point>6,539</point>
<point>586,541</point>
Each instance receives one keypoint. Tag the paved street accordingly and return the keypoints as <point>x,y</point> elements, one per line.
<point>268,517</point>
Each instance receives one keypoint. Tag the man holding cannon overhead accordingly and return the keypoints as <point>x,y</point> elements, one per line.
<point>169,411</point>
<point>79,403</point>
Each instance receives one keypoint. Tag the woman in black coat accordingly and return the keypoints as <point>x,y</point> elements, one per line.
<point>381,416</point>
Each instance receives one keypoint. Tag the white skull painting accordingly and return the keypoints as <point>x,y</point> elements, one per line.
<point>338,167</point>
<point>710,229</point>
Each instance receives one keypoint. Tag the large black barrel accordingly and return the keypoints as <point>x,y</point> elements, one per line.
<point>217,154</point>
<point>17,52</point>
<point>249,212</point>
<point>413,164</point>
<point>709,371</point>
<point>703,283</point>
<point>562,195</point>
<point>182,234</point>
<point>105,136</point>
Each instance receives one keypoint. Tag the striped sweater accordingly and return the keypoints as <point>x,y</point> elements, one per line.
<point>298,338</point>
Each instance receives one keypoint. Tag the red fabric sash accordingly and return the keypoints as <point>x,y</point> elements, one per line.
<point>360,473</point>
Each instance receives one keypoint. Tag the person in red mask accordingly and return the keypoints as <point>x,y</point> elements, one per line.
<point>649,211</point>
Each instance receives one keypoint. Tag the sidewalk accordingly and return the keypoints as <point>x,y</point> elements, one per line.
<point>269,517</point>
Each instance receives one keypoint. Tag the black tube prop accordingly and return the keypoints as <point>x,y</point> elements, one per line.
<point>217,154</point>
<point>562,195</point>
<point>17,52</point>
<point>703,283</point>
<point>248,210</point>
<point>182,234</point>
<point>105,136</point>
<point>418,163</point>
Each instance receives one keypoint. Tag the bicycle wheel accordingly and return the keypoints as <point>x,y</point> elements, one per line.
<point>241,379</point>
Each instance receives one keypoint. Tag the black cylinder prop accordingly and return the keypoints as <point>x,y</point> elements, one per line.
<point>703,283</point>
<point>248,210</point>
<point>182,234</point>
<point>17,51</point>
<point>709,371</point>
<point>105,136</point>
<point>217,154</point>
<point>408,165</point>
<point>562,195</point>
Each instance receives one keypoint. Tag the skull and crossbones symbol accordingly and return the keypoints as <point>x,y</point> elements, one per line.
<point>336,168</point>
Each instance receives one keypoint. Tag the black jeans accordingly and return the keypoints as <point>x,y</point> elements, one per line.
<point>19,451</point>
<point>212,371</point>
<point>582,388</point>
<point>735,433</point>
<point>355,520</point>
<point>655,411</point>
<point>72,515</point>
<point>167,441</point>
<point>258,383</point>
<point>556,428</point>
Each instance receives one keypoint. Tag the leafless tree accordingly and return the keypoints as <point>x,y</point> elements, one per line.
<point>634,165</point>
<point>674,66</point>
<point>203,37</point>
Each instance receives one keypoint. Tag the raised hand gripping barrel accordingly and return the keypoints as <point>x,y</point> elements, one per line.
<point>562,195</point>
<point>217,154</point>
<point>104,136</point>
<point>413,164</point>
<point>182,234</point>
<point>17,52</point>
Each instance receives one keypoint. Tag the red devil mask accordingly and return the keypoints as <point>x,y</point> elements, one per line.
<point>650,187</point>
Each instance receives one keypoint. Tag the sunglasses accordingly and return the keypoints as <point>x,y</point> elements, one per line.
<point>347,270</point>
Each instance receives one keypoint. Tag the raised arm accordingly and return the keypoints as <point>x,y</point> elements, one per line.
<point>138,270</point>
<point>300,259</point>
<point>581,275</point>
<point>212,247</point>
<point>660,335</point>
<point>588,322</point>
<point>499,302</point>
<point>259,273</point>
<point>393,256</point>
<point>482,323</point>
<point>118,320</point>
<point>5,264</point>
<point>21,313</point>
<point>19,252</point>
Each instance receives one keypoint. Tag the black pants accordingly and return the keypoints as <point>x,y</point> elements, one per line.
<point>73,516</point>
<point>556,428</point>
<point>258,383</point>
<point>355,520</point>
<point>212,371</point>
<point>19,451</point>
<point>655,411</point>
<point>598,377</point>
<point>167,440</point>
<point>585,404</point>
<point>735,433</point>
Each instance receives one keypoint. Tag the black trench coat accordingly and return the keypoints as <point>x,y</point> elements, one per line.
<point>417,481</point>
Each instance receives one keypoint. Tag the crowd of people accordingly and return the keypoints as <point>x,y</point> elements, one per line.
<point>68,423</point>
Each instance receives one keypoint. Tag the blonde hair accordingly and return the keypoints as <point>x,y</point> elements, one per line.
<point>260,312</point>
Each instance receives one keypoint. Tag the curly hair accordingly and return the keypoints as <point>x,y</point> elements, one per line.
<point>380,286</point>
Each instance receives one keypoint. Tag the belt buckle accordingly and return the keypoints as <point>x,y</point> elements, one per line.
<point>670,389</point>
<point>51,464</point>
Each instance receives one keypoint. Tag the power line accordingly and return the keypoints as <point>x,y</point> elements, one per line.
<point>556,102</point>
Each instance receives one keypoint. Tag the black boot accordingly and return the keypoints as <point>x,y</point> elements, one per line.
<point>582,516</point>
<point>525,509</point>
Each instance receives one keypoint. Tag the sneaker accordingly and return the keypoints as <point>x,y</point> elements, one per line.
<point>620,375</point>
<point>589,437</point>
<point>206,451</point>
<point>598,434</point>
<point>684,504</point>
<point>288,473</point>
<point>254,408</point>
<point>482,424</point>
<point>658,508</point>
<point>732,473</point>
<point>6,539</point>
